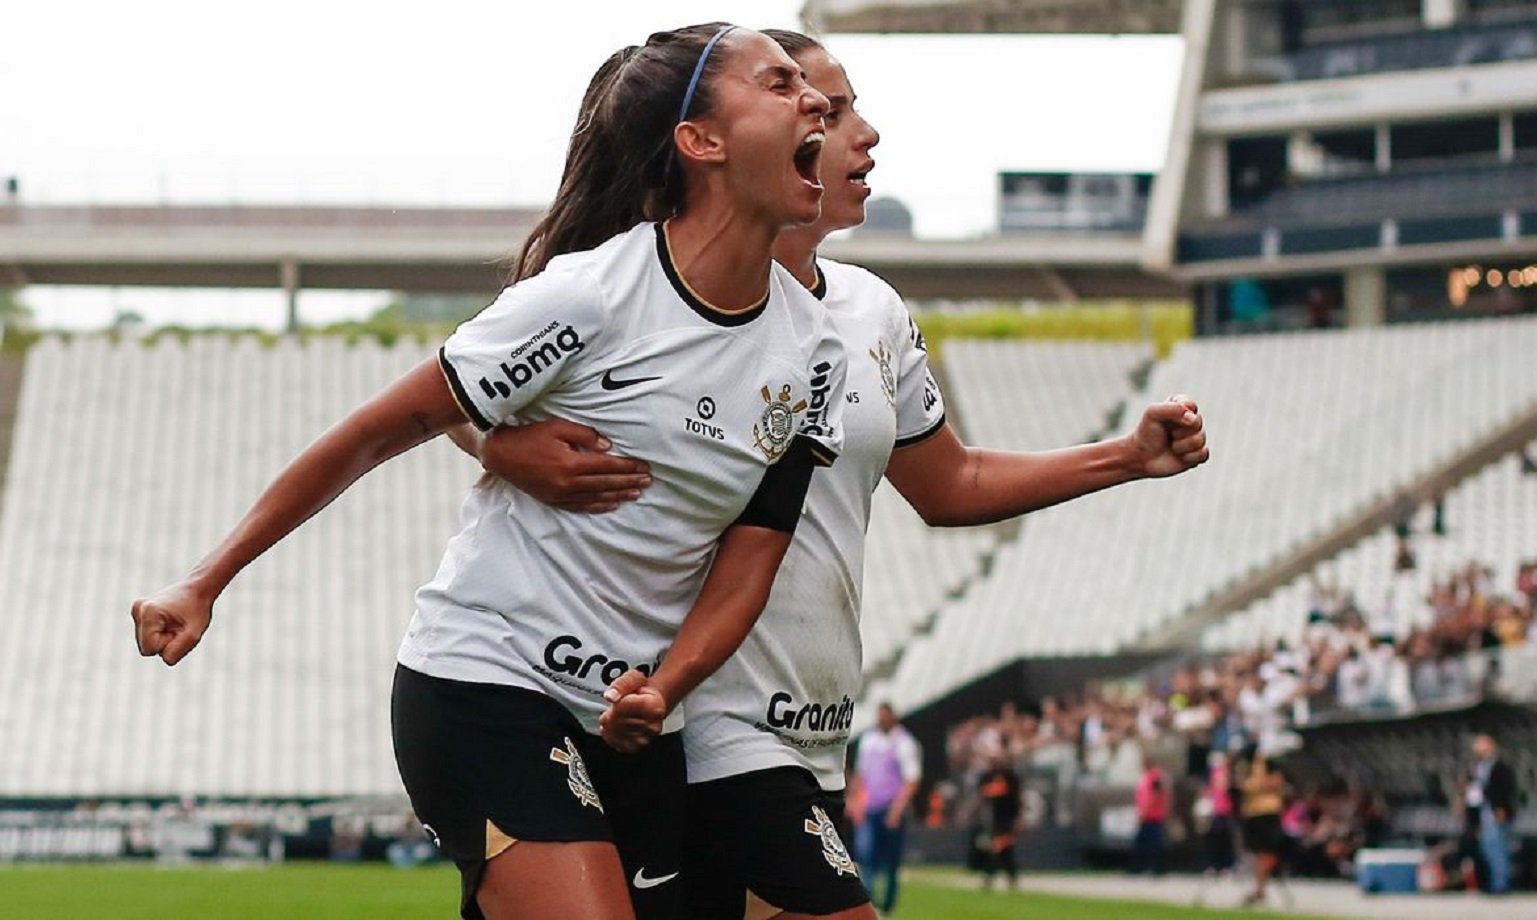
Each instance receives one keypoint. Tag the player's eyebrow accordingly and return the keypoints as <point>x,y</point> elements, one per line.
<point>838,100</point>
<point>773,71</point>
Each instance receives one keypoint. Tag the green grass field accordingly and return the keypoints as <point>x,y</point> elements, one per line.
<point>378,892</point>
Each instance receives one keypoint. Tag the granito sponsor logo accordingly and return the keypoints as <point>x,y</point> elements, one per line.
<point>565,663</point>
<point>784,717</point>
<point>534,360</point>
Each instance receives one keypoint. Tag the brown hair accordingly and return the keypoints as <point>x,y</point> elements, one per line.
<point>794,43</point>
<point>621,167</point>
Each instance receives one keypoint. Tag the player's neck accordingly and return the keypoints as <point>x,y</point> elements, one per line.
<point>722,259</point>
<point>796,250</point>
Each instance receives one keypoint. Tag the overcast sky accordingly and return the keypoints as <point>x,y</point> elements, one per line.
<point>470,103</point>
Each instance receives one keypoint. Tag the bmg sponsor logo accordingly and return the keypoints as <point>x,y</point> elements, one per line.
<point>531,359</point>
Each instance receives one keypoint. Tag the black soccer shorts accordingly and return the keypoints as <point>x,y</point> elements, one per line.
<point>765,840</point>
<point>488,765</point>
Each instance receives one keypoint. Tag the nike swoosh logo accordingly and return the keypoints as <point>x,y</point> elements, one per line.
<point>610,382</point>
<point>640,880</point>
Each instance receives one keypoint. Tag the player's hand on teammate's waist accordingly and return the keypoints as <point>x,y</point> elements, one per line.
<point>635,712</point>
<point>171,622</point>
<point>564,465</point>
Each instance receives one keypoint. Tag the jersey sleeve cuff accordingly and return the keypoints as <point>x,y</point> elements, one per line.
<point>923,435</point>
<point>461,396</point>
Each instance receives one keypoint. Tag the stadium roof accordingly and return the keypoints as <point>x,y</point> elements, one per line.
<point>1098,17</point>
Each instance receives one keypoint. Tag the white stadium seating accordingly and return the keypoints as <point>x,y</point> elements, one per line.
<point>1305,429</point>
<point>129,462</point>
<point>1005,395</point>
<point>1491,518</point>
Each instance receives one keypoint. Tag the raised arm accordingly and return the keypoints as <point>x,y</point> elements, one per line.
<point>952,485</point>
<point>416,408</point>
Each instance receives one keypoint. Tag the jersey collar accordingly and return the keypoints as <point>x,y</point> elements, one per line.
<point>819,290</point>
<point>694,301</point>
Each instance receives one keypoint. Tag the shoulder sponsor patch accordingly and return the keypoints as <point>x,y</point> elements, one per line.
<point>547,348</point>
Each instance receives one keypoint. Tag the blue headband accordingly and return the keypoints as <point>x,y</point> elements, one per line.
<point>693,82</point>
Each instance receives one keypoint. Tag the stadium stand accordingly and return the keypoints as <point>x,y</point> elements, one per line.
<point>107,497</point>
<point>1311,428</point>
<point>129,462</point>
<point>1041,395</point>
<point>1434,189</point>
<point>1011,395</point>
<point>1459,46</point>
<point>1489,518</point>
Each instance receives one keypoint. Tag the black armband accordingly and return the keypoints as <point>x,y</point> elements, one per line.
<point>782,493</point>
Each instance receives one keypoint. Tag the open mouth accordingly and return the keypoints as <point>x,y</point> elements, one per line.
<point>808,158</point>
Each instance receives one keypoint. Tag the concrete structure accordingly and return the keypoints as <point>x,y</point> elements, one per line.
<point>1026,16</point>
<point>440,250</point>
<point>466,250</point>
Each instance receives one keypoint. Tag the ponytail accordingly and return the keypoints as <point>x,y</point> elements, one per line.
<point>620,165</point>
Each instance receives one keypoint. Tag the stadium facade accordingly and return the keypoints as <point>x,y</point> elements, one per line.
<point>1352,163</point>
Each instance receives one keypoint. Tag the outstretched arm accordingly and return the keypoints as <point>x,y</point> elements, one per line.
<point>953,485</point>
<point>416,408</point>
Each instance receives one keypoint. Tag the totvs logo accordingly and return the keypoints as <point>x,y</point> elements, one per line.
<point>528,361</point>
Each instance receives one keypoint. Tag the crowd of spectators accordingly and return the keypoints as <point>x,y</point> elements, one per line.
<point>1348,660</point>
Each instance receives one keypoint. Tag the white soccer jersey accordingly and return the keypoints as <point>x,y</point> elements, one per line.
<point>563,603</point>
<point>787,697</point>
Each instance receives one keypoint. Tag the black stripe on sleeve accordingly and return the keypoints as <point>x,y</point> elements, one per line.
<point>921,436</point>
<point>466,405</point>
<point>782,493</point>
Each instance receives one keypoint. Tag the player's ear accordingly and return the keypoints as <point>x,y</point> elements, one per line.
<point>699,141</point>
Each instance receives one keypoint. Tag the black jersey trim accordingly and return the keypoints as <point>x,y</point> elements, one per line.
<point>694,301</point>
<point>921,436</point>
<point>777,502</point>
<point>461,396</point>
<point>819,290</point>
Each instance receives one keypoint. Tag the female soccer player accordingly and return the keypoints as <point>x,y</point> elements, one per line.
<point>687,344</point>
<point>765,782</point>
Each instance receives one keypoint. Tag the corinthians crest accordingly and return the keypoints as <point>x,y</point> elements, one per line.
<point>882,356</point>
<point>777,424</point>
<point>576,774</point>
<point>833,849</point>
